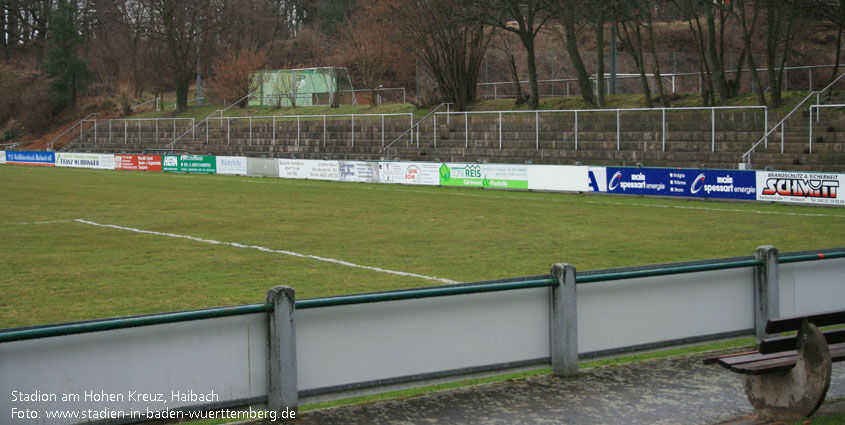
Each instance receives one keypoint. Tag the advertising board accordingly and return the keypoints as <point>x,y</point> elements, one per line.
<point>498,176</point>
<point>564,178</point>
<point>85,160</point>
<point>137,162</point>
<point>31,158</point>
<point>681,182</point>
<point>189,163</point>
<point>309,169</point>
<point>359,171</point>
<point>800,187</point>
<point>2,157</point>
<point>231,165</point>
<point>421,173</point>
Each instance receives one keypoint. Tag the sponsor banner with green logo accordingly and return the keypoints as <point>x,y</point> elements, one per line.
<point>189,163</point>
<point>498,176</point>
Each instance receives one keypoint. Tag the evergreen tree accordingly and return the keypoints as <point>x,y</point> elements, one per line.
<point>68,72</point>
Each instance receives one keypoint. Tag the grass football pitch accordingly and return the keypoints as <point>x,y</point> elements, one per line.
<point>84,244</point>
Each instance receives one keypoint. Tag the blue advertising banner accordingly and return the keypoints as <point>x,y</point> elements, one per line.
<point>711,184</point>
<point>31,158</point>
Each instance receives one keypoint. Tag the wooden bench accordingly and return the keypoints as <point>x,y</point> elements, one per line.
<point>788,377</point>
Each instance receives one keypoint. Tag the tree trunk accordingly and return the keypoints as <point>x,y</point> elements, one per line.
<point>182,85</point>
<point>571,41</point>
<point>658,79</point>
<point>600,87</point>
<point>516,85</point>
<point>534,102</point>
<point>717,65</point>
<point>747,33</point>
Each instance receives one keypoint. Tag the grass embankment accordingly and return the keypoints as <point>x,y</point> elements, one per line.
<point>68,270</point>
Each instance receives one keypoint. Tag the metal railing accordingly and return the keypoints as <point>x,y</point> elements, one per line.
<point>577,112</point>
<point>309,99</point>
<point>746,157</point>
<point>818,109</point>
<point>299,119</point>
<point>72,129</point>
<point>205,120</point>
<point>138,122</point>
<point>23,334</point>
<point>415,126</point>
<point>671,78</point>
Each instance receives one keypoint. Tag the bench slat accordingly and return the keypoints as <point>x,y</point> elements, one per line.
<point>792,323</point>
<point>785,343</point>
<point>781,364</point>
<point>758,364</point>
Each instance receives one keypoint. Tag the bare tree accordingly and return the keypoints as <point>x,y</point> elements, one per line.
<point>451,47</point>
<point>574,17</point>
<point>178,25</point>
<point>747,12</point>
<point>525,18</point>
<point>368,43</point>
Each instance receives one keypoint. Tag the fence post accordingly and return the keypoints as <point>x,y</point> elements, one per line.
<point>537,129</point>
<point>618,131</point>
<point>282,392</point>
<point>663,129</point>
<point>500,130</point>
<point>811,128</point>
<point>766,294</point>
<point>713,130</point>
<point>466,131</point>
<point>564,326</point>
<point>435,129</point>
<point>576,130</point>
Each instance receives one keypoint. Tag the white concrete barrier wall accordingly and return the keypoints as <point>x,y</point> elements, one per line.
<point>637,312</point>
<point>226,356</point>
<point>811,287</point>
<point>373,344</point>
<point>366,343</point>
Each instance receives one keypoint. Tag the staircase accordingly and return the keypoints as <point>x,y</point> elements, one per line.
<point>546,138</point>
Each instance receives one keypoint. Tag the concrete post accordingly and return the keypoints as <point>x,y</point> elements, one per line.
<point>282,393</point>
<point>766,297</point>
<point>564,338</point>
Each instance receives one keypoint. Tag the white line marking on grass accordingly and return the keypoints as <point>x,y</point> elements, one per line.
<point>263,249</point>
<point>24,223</point>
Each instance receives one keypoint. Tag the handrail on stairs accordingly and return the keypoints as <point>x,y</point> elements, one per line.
<point>746,157</point>
<point>205,120</point>
<point>78,123</point>
<point>416,126</point>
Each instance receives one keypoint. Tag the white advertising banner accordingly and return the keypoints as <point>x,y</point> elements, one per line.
<point>423,173</point>
<point>565,178</point>
<point>800,187</point>
<point>597,177</point>
<point>359,171</point>
<point>231,165</point>
<point>85,160</point>
<point>309,169</point>
<point>2,157</point>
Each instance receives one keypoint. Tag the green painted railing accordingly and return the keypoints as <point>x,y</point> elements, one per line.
<point>423,293</point>
<point>132,322</point>
<point>811,257</point>
<point>158,319</point>
<point>665,271</point>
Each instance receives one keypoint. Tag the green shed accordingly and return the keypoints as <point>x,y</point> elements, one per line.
<point>300,87</point>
